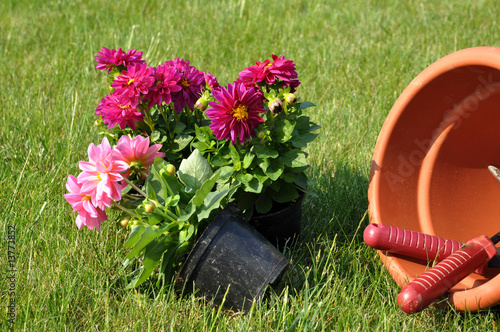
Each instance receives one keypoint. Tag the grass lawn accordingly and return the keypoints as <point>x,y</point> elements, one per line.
<point>353,58</point>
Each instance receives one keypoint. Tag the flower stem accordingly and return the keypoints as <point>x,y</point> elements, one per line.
<point>135,187</point>
<point>130,196</point>
<point>124,209</point>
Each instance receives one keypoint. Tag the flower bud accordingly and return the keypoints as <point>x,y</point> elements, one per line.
<point>290,99</point>
<point>125,222</point>
<point>149,208</point>
<point>276,106</point>
<point>260,134</point>
<point>98,122</point>
<point>201,104</point>
<point>168,170</point>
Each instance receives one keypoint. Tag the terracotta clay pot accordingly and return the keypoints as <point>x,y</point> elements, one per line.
<point>429,170</point>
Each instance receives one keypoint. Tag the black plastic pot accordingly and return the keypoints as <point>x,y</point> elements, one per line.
<point>232,260</point>
<point>281,226</point>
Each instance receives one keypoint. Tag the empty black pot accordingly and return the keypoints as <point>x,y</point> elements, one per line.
<point>230,253</point>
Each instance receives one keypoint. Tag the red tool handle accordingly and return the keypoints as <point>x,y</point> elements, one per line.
<point>435,282</point>
<point>409,243</point>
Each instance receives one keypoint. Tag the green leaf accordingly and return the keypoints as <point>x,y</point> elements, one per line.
<point>314,127</point>
<point>247,160</point>
<point>253,186</point>
<point>286,193</point>
<point>179,127</point>
<point>289,177</point>
<point>205,189</point>
<point>264,152</point>
<point>156,184</point>
<point>234,154</point>
<point>306,104</point>
<point>213,201</point>
<point>220,160</point>
<point>244,178</point>
<point>134,236</point>
<point>188,212</point>
<point>301,141</point>
<point>272,168</point>
<point>152,256</point>
<point>203,134</point>
<point>263,204</point>
<point>294,158</point>
<point>284,130</point>
<point>146,238</point>
<point>194,170</point>
<point>226,171</point>
<point>186,234</point>
<point>181,141</point>
<point>155,136</point>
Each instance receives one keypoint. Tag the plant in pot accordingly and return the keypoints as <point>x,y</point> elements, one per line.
<point>256,137</point>
<point>254,130</point>
<point>162,207</point>
<point>151,127</point>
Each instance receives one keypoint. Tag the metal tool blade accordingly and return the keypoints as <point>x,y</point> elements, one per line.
<point>495,261</point>
<point>495,171</point>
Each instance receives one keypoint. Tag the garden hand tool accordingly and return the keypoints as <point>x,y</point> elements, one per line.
<point>409,243</point>
<point>435,282</point>
<point>415,244</point>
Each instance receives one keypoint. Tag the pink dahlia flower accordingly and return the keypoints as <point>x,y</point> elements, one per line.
<point>137,153</point>
<point>191,84</point>
<point>115,111</point>
<point>166,82</point>
<point>268,72</point>
<point>100,177</point>
<point>88,214</point>
<point>211,81</point>
<point>133,82</point>
<point>108,59</point>
<point>235,114</point>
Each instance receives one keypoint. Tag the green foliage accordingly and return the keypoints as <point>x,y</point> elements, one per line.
<point>160,238</point>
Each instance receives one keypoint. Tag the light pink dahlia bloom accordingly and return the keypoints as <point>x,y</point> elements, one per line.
<point>108,59</point>
<point>235,114</point>
<point>133,82</point>
<point>100,177</point>
<point>88,214</point>
<point>137,153</point>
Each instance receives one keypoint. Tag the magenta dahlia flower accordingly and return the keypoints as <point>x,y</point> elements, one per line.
<point>108,59</point>
<point>133,82</point>
<point>281,69</point>
<point>115,111</point>
<point>137,153</point>
<point>235,114</point>
<point>88,214</point>
<point>191,84</point>
<point>166,82</point>
<point>211,81</point>
<point>100,177</point>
